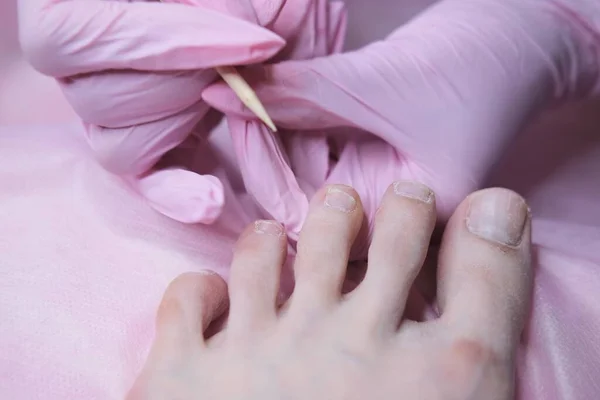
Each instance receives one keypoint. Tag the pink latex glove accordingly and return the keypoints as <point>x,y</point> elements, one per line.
<point>446,93</point>
<point>134,72</point>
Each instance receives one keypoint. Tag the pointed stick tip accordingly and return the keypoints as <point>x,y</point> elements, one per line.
<point>246,94</point>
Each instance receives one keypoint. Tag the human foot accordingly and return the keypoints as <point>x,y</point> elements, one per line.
<point>325,345</point>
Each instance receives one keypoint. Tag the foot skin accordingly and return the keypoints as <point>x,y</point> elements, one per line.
<point>323,344</point>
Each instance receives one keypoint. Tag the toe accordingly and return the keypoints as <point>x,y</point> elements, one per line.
<point>191,302</point>
<point>403,228</point>
<point>254,281</point>
<point>484,275</point>
<point>333,222</point>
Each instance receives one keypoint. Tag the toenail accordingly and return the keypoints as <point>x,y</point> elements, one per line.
<point>413,190</point>
<point>208,272</point>
<point>268,228</point>
<point>339,198</point>
<point>498,215</point>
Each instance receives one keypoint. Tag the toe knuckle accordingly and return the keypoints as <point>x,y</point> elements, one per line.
<point>469,356</point>
<point>470,364</point>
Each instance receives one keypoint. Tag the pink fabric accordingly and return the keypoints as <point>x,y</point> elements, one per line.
<point>25,95</point>
<point>85,260</point>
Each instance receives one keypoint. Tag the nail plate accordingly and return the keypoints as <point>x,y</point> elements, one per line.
<point>339,199</point>
<point>208,272</point>
<point>498,215</point>
<point>413,190</point>
<point>268,228</point>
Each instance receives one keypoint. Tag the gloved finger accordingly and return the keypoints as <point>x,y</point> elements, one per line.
<point>134,149</point>
<point>67,37</point>
<point>314,94</point>
<point>267,175</point>
<point>310,160</point>
<point>118,99</point>
<point>316,28</point>
<point>184,184</point>
<point>183,195</point>
<point>261,12</point>
<point>337,26</point>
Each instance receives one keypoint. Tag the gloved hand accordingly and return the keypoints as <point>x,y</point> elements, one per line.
<point>448,91</point>
<point>134,72</point>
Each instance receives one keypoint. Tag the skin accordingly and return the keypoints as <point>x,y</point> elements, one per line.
<point>323,344</point>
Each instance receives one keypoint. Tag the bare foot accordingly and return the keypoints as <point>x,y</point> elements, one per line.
<point>325,345</point>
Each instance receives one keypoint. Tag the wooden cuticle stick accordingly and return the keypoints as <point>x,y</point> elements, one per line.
<point>245,93</point>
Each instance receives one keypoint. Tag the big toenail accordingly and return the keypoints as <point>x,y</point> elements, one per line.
<point>208,272</point>
<point>498,215</point>
<point>339,198</point>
